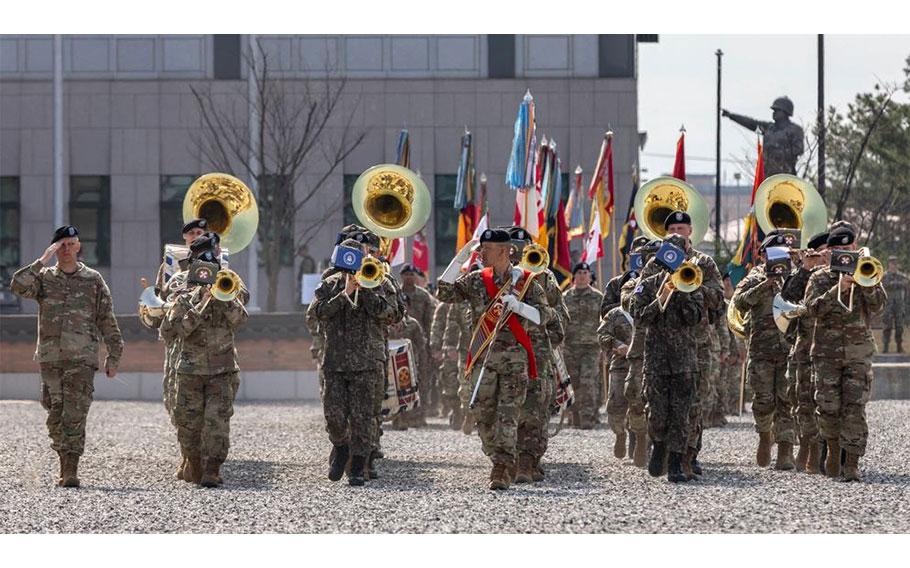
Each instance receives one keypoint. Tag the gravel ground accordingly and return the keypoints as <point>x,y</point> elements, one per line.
<point>433,480</point>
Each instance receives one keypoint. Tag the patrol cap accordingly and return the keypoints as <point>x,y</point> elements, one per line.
<point>677,218</point>
<point>65,232</point>
<point>519,234</point>
<point>818,240</point>
<point>498,236</point>
<point>194,224</point>
<point>841,236</point>
<point>581,266</point>
<point>773,240</point>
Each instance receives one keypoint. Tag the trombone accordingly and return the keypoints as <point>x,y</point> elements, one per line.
<point>687,278</point>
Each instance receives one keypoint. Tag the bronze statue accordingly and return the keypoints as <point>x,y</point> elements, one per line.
<point>783,140</point>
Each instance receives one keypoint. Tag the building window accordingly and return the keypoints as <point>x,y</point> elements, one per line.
<point>616,55</point>
<point>9,228</point>
<point>347,189</point>
<point>227,51</point>
<point>170,209</point>
<point>275,197</point>
<point>445,219</point>
<point>90,212</point>
<point>501,56</point>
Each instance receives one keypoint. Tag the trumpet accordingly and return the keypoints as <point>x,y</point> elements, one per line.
<point>371,274</point>
<point>869,272</point>
<point>534,258</point>
<point>227,285</point>
<point>687,278</point>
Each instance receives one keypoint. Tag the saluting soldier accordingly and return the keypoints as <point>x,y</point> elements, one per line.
<point>74,310</point>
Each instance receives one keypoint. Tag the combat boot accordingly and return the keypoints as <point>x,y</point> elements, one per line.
<point>685,464</point>
<point>499,477</point>
<point>62,459</point>
<point>619,446</point>
<point>640,456</point>
<point>371,467</point>
<point>832,462</point>
<point>356,475</point>
<point>886,340</point>
<point>658,454</point>
<point>631,451</point>
<point>338,459</point>
<point>181,468</point>
<point>851,468</point>
<point>900,346</point>
<point>525,472</point>
<point>193,471</point>
<point>784,456</point>
<point>468,425</point>
<point>211,476</point>
<point>812,462</point>
<point>70,476</point>
<point>763,455</point>
<point>674,469</point>
<point>696,467</point>
<point>802,455</point>
<point>537,473</point>
<point>456,419</point>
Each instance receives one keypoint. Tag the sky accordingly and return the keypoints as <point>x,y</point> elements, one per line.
<point>678,86</point>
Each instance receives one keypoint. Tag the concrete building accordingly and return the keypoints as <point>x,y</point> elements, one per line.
<point>126,150</point>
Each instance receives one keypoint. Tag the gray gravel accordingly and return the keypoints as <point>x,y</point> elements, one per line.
<point>433,480</point>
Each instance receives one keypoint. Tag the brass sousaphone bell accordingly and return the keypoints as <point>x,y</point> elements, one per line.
<point>228,207</point>
<point>391,201</point>
<point>784,201</point>
<point>661,196</point>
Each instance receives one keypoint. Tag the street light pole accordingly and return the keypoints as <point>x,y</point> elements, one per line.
<point>719,55</point>
<point>821,114</point>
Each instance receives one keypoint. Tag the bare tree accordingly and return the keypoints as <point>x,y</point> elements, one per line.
<point>303,134</point>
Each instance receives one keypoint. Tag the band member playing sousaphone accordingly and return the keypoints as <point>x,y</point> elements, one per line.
<point>505,301</point>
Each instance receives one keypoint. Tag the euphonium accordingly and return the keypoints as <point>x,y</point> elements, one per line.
<point>784,201</point>
<point>737,321</point>
<point>227,285</point>
<point>687,277</point>
<point>227,205</point>
<point>534,258</point>
<point>869,270</point>
<point>371,273</point>
<point>663,195</point>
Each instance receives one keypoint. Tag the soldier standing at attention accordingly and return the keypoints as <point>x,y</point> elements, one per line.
<point>74,309</point>
<point>772,407</point>
<point>510,362</point>
<point>581,347</point>
<point>783,140</point>
<point>842,351</point>
<point>897,285</point>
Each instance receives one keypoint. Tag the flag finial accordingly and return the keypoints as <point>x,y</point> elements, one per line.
<point>578,170</point>
<point>528,97</point>
<point>483,177</point>
<point>682,128</point>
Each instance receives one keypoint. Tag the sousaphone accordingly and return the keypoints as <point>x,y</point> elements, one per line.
<point>391,201</point>
<point>228,207</point>
<point>661,196</point>
<point>784,201</point>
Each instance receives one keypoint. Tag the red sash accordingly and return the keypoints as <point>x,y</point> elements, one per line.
<point>514,325</point>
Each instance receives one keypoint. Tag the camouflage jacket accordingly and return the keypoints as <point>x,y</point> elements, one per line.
<point>315,328</point>
<point>755,295</point>
<point>459,328</point>
<point>637,342</point>
<point>438,329</point>
<point>840,334</point>
<point>614,332</point>
<point>556,327</point>
<point>670,345</point>
<point>584,307</point>
<point>711,294</point>
<point>206,332</point>
<point>897,285</point>
<point>611,295</point>
<point>75,312</point>
<point>355,337</point>
<point>409,328</point>
<point>470,288</point>
<point>794,291</point>
<point>422,306</point>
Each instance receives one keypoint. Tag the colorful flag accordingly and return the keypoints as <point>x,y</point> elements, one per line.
<point>529,212</point>
<point>744,259</point>
<point>520,171</point>
<point>403,150</point>
<point>420,253</point>
<point>601,191</point>
<point>679,166</point>
<point>575,214</point>
<point>396,252</point>
<point>631,225</point>
<point>468,212</point>
<point>594,243</point>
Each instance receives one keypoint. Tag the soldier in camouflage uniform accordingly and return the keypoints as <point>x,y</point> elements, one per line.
<point>74,309</point>
<point>897,285</point>
<point>799,367</point>
<point>581,352</point>
<point>458,339</point>
<point>615,334</point>
<point>207,372</point>
<point>353,362</point>
<point>841,353</point>
<point>446,364</point>
<point>670,363</point>
<point>508,365</point>
<point>719,353</point>
<point>421,307</point>
<point>783,140</point>
<point>409,328</point>
<point>767,365</point>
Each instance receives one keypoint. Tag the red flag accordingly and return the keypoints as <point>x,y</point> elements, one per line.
<point>420,253</point>
<point>602,190</point>
<point>679,167</point>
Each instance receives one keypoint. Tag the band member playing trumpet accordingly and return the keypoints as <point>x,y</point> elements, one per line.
<point>207,370</point>
<point>799,368</point>
<point>192,230</point>
<point>842,353</point>
<point>505,301</point>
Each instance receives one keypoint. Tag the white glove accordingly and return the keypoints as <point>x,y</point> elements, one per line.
<point>524,310</point>
<point>510,301</point>
<point>451,271</point>
<point>517,273</point>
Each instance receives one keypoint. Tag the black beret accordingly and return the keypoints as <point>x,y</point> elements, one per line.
<point>495,236</point>
<point>519,234</point>
<point>194,224</point>
<point>773,240</point>
<point>581,266</point>
<point>840,236</point>
<point>677,217</point>
<point>408,269</point>
<point>818,240</point>
<point>204,242</point>
<point>639,242</point>
<point>64,232</point>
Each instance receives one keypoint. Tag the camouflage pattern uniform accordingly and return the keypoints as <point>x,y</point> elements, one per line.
<point>799,369</point>
<point>73,311</point>
<point>207,373</point>
<point>767,365</point>
<point>409,328</point>
<point>897,285</point>
<point>353,360</point>
<point>422,306</point>
<point>458,336</point>
<point>635,357</point>
<point>447,367</point>
<point>670,363</point>
<point>841,354</point>
<point>611,299</point>
<point>505,381</point>
<point>581,352</point>
<point>719,353</point>
<point>172,346</point>
<point>615,331</point>
<point>731,369</point>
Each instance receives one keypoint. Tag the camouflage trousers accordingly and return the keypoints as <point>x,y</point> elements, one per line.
<point>634,393</point>
<point>66,395</point>
<point>499,400</point>
<point>731,377</point>
<point>583,365</point>
<point>771,406</point>
<point>169,381</point>
<point>669,399</point>
<point>802,397</point>
<point>702,399</point>
<point>843,388</point>
<point>534,418</point>
<point>351,405</point>
<point>717,386</point>
<point>617,403</point>
<point>448,383</point>
<point>893,319</point>
<point>203,410</point>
